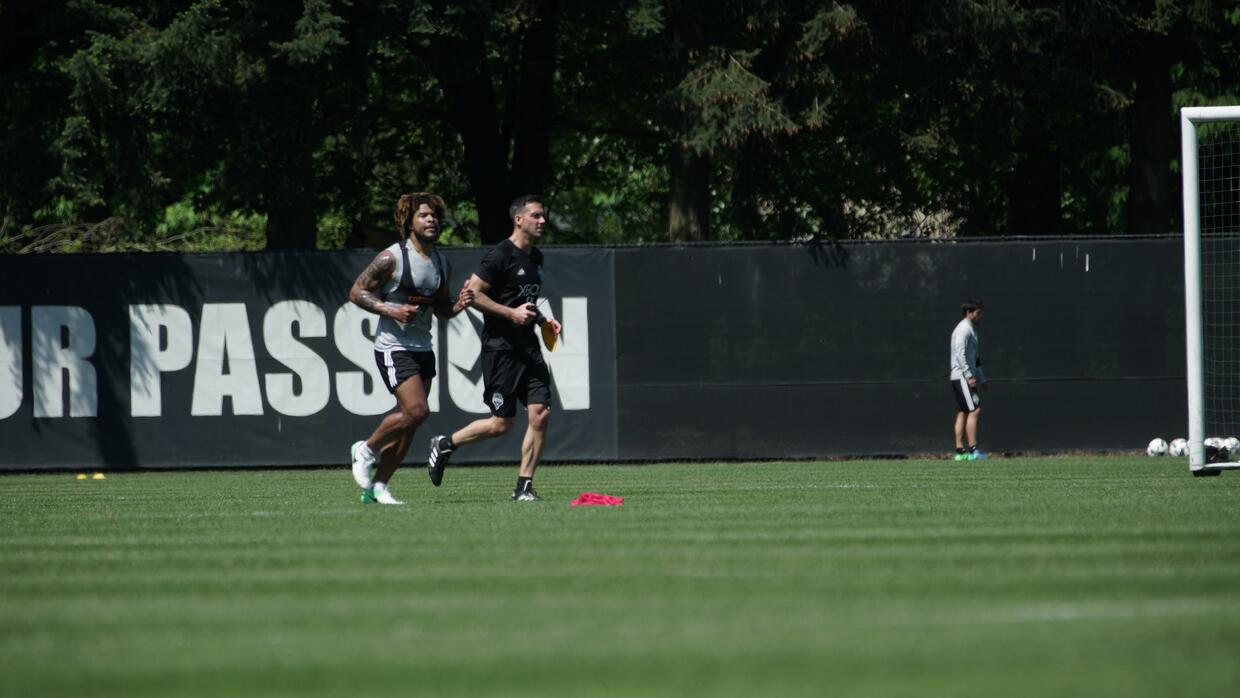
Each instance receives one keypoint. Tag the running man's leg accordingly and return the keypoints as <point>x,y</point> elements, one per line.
<point>412,410</point>
<point>389,461</point>
<point>961,418</point>
<point>535,436</point>
<point>482,429</point>
<point>442,447</point>
<point>501,374</point>
<point>390,458</point>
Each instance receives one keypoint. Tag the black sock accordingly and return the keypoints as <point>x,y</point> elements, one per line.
<point>446,444</point>
<point>960,450</point>
<point>973,448</point>
<point>524,483</point>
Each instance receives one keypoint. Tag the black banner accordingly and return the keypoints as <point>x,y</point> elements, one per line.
<point>825,349</point>
<point>749,351</point>
<point>259,359</point>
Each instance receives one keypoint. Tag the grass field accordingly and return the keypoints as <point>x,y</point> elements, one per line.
<point>1025,577</point>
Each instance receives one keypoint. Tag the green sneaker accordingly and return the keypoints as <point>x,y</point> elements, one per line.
<point>961,456</point>
<point>368,497</point>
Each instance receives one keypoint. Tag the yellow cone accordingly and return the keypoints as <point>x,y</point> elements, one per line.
<point>81,476</point>
<point>98,476</point>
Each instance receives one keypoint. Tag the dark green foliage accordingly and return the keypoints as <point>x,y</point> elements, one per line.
<point>203,124</point>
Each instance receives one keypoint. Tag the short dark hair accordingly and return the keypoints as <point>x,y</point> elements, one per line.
<point>519,204</point>
<point>969,306</point>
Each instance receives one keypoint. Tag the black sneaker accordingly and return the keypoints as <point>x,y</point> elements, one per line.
<point>526,495</point>
<point>438,459</point>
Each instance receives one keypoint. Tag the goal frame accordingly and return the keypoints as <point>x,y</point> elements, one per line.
<point>1190,117</point>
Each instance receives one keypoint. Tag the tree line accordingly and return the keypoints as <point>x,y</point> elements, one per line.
<point>250,124</point>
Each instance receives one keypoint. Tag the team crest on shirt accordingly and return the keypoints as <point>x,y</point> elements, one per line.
<point>497,401</point>
<point>521,271</point>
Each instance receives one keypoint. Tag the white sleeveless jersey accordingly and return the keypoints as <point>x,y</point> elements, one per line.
<point>427,276</point>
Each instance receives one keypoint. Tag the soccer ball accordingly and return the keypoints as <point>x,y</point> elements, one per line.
<point>1214,442</point>
<point>1157,447</point>
<point>1178,448</point>
<point>1231,443</point>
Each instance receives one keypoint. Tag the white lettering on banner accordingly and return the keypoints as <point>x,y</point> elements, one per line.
<point>148,361</point>
<point>224,342</point>
<point>161,340</point>
<point>10,360</point>
<point>570,362</point>
<point>63,338</point>
<point>310,368</point>
<point>464,351</point>
<point>352,340</point>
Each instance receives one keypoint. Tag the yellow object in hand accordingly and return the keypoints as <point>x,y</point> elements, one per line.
<point>548,334</point>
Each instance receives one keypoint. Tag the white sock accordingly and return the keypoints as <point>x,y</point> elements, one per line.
<point>380,487</point>
<point>366,452</point>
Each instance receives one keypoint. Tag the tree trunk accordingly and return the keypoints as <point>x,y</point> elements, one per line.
<point>461,69</point>
<point>364,20</point>
<point>292,222</point>
<point>688,214</point>
<point>1035,190</point>
<point>747,183</point>
<point>1151,142</point>
<point>689,196</point>
<point>531,164</point>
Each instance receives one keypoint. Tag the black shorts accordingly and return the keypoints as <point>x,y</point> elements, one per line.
<point>397,366</point>
<point>967,399</point>
<point>512,376</point>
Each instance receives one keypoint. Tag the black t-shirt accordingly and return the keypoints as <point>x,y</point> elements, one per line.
<point>515,277</point>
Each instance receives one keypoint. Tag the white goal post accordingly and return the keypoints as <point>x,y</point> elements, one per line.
<point>1223,221</point>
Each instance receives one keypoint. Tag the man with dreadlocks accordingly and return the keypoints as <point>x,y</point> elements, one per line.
<point>403,285</point>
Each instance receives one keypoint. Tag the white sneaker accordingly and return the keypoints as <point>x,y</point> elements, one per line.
<point>363,465</point>
<point>384,496</point>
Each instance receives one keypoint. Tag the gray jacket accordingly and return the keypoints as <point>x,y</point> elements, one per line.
<point>964,362</point>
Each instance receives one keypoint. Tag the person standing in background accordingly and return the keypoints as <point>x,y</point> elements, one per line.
<point>966,380</point>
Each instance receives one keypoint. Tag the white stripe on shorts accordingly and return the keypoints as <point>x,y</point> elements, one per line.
<point>391,369</point>
<point>967,392</point>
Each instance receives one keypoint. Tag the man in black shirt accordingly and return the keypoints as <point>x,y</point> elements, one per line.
<point>506,287</point>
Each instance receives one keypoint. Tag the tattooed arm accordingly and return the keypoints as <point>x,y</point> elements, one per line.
<point>365,291</point>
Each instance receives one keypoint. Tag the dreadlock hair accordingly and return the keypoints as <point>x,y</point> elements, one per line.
<point>408,204</point>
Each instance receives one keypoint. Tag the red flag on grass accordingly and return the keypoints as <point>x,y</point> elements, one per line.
<point>594,499</point>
